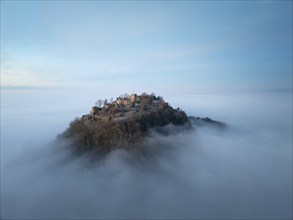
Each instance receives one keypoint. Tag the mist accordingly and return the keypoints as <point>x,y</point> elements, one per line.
<point>243,171</point>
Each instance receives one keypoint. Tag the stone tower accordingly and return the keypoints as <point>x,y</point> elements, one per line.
<point>133,98</point>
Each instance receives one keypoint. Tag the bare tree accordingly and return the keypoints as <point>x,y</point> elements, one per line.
<point>125,95</point>
<point>111,100</point>
<point>105,101</point>
<point>99,103</point>
<point>144,94</point>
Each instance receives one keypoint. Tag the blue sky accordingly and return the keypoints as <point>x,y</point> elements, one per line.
<point>167,45</point>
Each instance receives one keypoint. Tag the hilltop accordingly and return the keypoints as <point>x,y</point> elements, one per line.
<point>123,122</point>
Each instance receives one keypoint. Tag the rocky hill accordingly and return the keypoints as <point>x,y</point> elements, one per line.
<point>123,123</point>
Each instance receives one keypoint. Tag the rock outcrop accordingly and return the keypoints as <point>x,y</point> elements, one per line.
<point>122,123</point>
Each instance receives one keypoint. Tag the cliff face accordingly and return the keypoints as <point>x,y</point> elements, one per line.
<point>122,123</point>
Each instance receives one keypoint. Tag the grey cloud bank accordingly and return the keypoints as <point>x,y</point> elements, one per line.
<point>244,171</point>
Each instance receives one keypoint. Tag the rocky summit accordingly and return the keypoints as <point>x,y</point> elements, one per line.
<point>122,123</point>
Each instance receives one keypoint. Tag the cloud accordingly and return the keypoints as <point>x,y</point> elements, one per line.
<point>244,171</point>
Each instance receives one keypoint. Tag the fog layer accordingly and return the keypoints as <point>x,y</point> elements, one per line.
<point>244,171</point>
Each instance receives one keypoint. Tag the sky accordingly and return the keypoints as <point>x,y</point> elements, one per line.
<point>176,46</point>
<point>193,53</point>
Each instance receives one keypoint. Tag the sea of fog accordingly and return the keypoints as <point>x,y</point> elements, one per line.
<point>244,171</point>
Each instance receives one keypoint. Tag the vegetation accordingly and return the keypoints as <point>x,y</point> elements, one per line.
<point>206,121</point>
<point>122,123</point>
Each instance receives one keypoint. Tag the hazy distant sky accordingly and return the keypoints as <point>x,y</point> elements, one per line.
<point>177,46</point>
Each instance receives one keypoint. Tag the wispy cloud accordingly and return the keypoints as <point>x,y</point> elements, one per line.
<point>227,44</point>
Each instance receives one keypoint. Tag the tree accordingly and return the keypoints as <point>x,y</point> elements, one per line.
<point>161,99</point>
<point>99,103</point>
<point>144,94</point>
<point>145,101</point>
<point>95,110</point>
<point>105,101</point>
<point>111,100</point>
<point>125,95</point>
